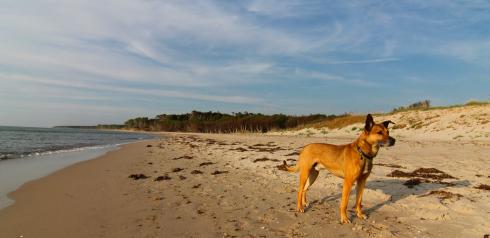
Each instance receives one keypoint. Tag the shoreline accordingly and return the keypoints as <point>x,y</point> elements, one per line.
<point>14,173</point>
<point>46,202</point>
<point>224,185</point>
<point>17,171</point>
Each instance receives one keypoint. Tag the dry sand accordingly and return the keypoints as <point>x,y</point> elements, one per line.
<point>463,124</point>
<point>202,185</point>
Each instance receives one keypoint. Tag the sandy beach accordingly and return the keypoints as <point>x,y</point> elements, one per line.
<point>210,185</point>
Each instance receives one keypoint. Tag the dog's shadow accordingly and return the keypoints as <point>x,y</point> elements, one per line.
<point>395,189</point>
<point>398,191</point>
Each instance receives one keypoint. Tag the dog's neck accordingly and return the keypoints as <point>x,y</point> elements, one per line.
<point>367,150</point>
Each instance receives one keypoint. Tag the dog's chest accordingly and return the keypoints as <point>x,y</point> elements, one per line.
<point>366,166</point>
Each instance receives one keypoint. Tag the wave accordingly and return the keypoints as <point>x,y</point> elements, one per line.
<point>33,154</point>
<point>20,142</point>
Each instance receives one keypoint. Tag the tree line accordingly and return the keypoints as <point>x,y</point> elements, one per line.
<point>217,122</point>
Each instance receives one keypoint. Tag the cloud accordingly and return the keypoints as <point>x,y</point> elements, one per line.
<point>334,78</point>
<point>131,90</point>
<point>159,42</point>
<point>473,51</point>
<point>164,42</point>
<point>368,61</point>
<point>284,9</point>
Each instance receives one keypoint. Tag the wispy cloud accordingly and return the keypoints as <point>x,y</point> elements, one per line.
<point>131,90</point>
<point>473,51</point>
<point>285,9</point>
<point>368,61</point>
<point>304,74</point>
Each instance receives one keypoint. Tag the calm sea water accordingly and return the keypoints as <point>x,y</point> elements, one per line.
<point>20,142</point>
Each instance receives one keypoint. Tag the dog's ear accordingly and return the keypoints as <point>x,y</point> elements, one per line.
<point>369,123</point>
<point>387,123</point>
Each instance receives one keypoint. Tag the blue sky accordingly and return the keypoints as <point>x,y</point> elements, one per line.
<point>88,62</point>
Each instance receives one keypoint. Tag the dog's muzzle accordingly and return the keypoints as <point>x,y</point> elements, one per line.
<point>391,141</point>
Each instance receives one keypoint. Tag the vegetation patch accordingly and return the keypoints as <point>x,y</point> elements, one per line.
<point>282,166</point>
<point>412,182</point>
<point>265,159</point>
<point>340,121</point>
<point>175,170</point>
<point>161,178</point>
<point>196,172</point>
<point>295,153</point>
<point>205,164</point>
<point>483,187</point>
<point>457,137</point>
<point>476,103</point>
<point>264,148</point>
<point>420,105</point>
<point>428,173</point>
<point>183,157</point>
<point>390,165</point>
<point>138,176</point>
<point>219,172</point>
<point>240,149</point>
<point>196,186</point>
<point>432,173</point>
<point>417,125</point>
<point>217,122</point>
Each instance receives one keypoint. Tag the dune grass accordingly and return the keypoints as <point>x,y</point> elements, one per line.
<point>349,119</point>
<point>340,122</point>
<point>422,106</point>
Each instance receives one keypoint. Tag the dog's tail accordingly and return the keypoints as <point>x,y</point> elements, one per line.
<point>285,167</point>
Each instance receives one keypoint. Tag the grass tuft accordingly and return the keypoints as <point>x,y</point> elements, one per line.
<point>340,122</point>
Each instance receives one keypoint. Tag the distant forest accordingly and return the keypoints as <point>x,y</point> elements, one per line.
<point>216,122</point>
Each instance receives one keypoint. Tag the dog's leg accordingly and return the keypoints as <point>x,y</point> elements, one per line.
<point>345,199</point>
<point>361,183</point>
<point>303,176</point>
<point>311,179</point>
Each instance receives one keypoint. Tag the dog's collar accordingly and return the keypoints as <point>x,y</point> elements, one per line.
<point>363,155</point>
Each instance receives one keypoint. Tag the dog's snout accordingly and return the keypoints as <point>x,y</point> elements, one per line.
<point>391,141</point>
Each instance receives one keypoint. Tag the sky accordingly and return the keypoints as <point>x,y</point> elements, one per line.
<point>83,62</point>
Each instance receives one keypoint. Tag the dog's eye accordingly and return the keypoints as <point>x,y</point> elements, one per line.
<point>380,132</point>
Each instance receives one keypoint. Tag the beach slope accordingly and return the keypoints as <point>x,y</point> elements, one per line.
<point>89,199</point>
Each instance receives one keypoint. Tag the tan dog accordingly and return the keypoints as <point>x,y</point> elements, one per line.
<point>352,162</point>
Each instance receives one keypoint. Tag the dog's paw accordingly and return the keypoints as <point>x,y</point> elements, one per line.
<point>361,215</point>
<point>302,210</point>
<point>344,220</point>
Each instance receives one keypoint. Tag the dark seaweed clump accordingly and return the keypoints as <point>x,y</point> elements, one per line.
<point>138,176</point>
<point>164,177</point>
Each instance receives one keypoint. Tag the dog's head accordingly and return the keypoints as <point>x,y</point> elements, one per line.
<point>377,133</point>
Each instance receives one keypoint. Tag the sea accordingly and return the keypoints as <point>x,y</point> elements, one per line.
<point>28,153</point>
